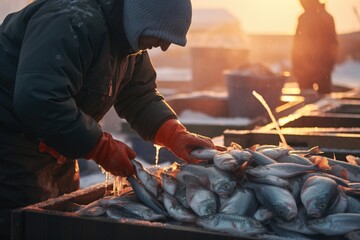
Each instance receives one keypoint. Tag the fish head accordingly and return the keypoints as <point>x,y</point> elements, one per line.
<point>317,207</point>
<point>207,207</point>
<point>285,210</point>
<point>224,188</point>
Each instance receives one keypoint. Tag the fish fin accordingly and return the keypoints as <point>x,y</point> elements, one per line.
<point>253,147</point>
<point>350,191</point>
<point>322,163</point>
<point>236,146</point>
<point>315,150</point>
<point>352,160</point>
<point>344,174</point>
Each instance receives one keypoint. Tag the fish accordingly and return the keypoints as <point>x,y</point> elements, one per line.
<point>318,194</point>
<point>261,159</point>
<point>287,170</point>
<point>241,155</point>
<point>201,200</point>
<point>293,158</point>
<point>353,205</point>
<point>336,224</point>
<point>276,199</point>
<point>298,224</point>
<point>204,154</point>
<point>281,232</point>
<point>240,226</point>
<point>242,202</point>
<point>169,183</point>
<point>227,162</point>
<point>92,211</point>
<point>176,210</point>
<point>263,214</point>
<point>133,210</point>
<point>145,196</point>
<point>151,182</point>
<point>275,153</point>
<point>352,171</point>
<point>340,204</point>
<point>312,151</point>
<point>272,180</point>
<point>221,182</point>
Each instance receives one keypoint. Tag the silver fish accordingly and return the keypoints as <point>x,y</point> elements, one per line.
<point>145,196</point>
<point>169,183</point>
<point>340,204</point>
<point>261,159</point>
<point>241,155</point>
<point>227,162</point>
<point>298,224</point>
<point>293,158</point>
<point>92,211</point>
<point>263,214</point>
<point>276,199</point>
<point>287,170</point>
<point>221,182</point>
<point>232,224</point>
<point>204,154</point>
<point>201,200</point>
<point>275,153</point>
<point>312,151</point>
<point>272,180</point>
<point>176,210</point>
<point>133,210</point>
<point>352,171</point>
<point>336,224</point>
<point>242,202</point>
<point>318,194</point>
<point>353,205</point>
<point>151,182</point>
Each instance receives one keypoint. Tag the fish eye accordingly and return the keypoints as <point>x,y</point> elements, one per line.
<point>322,206</point>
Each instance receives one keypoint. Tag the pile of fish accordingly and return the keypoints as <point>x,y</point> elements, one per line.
<point>262,192</point>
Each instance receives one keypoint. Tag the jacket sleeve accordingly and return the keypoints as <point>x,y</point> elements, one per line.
<point>140,103</point>
<point>55,54</point>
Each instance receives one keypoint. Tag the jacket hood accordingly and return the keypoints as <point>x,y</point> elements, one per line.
<point>168,20</point>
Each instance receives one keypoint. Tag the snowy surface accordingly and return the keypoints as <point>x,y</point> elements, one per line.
<point>347,74</point>
<point>192,117</point>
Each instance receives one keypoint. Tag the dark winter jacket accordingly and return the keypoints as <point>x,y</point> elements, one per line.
<point>64,64</point>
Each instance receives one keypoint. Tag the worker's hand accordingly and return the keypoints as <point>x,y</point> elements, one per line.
<point>114,156</point>
<point>45,148</point>
<point>174,136</point>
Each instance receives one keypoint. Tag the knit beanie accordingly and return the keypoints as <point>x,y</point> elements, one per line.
<point>168,20</point>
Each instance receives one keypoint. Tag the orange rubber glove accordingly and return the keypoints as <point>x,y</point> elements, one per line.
<point>114,156</point>
<point>174,136</point>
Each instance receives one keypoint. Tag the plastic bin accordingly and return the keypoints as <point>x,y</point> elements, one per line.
<point>240,85</point>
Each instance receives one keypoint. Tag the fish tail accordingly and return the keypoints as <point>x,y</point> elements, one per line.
<point>315,150</point>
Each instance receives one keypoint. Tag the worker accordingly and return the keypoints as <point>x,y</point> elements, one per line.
<point>63,65</point>
<point>315,47</point>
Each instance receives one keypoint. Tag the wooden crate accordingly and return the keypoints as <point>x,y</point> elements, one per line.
<point>54,219</point>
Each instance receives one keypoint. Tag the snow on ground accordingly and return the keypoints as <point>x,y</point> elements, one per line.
<point>347,74</point>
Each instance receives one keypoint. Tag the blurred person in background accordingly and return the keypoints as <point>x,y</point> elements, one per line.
<point>315,47</point>
<point>63,65</point>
